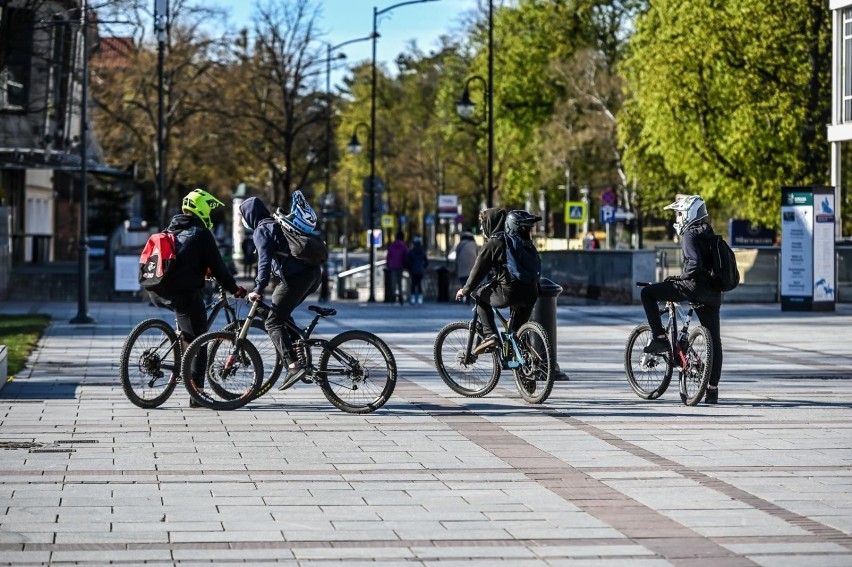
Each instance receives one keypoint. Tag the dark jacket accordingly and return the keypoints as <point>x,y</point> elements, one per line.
<point>198,253</point>
<point>273,253</point>
<point>492,255</point>
<point>695,275</point>
<point>416,260</point>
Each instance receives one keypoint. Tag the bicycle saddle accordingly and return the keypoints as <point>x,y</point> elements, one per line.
<point>323,311</point>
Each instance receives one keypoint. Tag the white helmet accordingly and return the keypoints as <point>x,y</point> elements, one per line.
<point>690,209</point>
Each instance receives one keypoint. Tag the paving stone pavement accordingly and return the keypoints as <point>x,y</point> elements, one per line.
<point>594,477</point>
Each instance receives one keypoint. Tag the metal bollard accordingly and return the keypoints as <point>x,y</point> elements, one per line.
<point>443,284</point>
<point>389,291</point>
<point>544,313</point>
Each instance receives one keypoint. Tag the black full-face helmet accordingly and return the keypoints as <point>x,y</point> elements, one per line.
<point>520,222</point>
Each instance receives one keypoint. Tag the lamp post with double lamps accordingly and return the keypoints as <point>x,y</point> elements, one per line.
<point>375,36</point>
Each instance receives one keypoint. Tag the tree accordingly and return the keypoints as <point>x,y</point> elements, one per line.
<point>731,97</point>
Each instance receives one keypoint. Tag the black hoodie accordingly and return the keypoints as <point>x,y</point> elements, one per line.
<point>492,255</point>
<point>269,241</point>
<point>199,252</point>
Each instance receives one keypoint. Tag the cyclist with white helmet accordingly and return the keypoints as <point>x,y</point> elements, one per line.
<point>197,254</point>
<point>296,280</point>
<point>692,284</point>
<point>502,290</point>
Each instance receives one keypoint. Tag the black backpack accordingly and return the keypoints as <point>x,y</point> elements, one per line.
<point>724,275</point>
<point>522,261</point>
<point>309,249</point>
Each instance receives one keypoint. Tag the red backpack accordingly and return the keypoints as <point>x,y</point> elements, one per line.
<point>157,261</point>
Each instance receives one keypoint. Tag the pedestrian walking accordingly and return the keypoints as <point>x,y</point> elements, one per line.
<point>395,258</point>
<point>416,262</point>
<point>466,251</point>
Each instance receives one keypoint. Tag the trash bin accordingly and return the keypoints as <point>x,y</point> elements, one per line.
<point>444,284</point>
<point>389,292</point>
<point>544,313</point>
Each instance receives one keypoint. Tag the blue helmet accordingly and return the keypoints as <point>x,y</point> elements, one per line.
<point>302,217</point>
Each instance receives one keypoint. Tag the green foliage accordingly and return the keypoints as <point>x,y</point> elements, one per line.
<point>20,334</point>
<point>721,98</point>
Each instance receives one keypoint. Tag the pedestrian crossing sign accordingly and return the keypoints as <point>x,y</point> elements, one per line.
<point>575,212</point>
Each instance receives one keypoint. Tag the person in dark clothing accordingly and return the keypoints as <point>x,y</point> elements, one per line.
<point>416,262</point>
<point>500,291</point>
<point>198,253</point>
<point>248,256</point>
<point>296,280</point>
<point>693,284</point>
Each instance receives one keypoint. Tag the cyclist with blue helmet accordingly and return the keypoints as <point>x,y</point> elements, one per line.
<point>296,280</point>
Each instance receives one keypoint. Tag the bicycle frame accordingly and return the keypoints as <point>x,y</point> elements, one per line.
<point>678,336</point>
<point>504,338</point>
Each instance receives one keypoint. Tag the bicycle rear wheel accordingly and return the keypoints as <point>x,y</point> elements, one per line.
<point>534,377</point>
<point>233,374</point>
<point>699,359</point>
<point>150,363</point>
<point>465,373</point>
<point>648,374</point>
<point>357,372</point>
<point>266,349</point>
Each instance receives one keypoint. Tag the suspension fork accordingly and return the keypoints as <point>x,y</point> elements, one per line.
<point>471,335</point>
<point>242,334</point>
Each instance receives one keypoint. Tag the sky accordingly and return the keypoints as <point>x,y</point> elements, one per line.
<point>343,20</point>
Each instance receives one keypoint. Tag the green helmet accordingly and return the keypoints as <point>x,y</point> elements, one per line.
<point>199,202</point>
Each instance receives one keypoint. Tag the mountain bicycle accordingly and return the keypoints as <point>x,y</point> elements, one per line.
<point>691,352</point>
<point>526,353</point>
<point>356,370</point>
<point>149,366</point>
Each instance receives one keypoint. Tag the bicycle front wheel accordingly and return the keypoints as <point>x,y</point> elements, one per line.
<point>150,363</point>
<point>465,373</point>
<point>648,374</point>
<point>534,377</point>
<point>233,370</point>
<point>699,360</point>
<point>266,349</point>
<point>357,372</point>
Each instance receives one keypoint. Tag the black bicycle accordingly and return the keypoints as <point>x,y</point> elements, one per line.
<point>691,352</point>
<point>149,366</point>
<point>525,352</point>
<point>356,370</point>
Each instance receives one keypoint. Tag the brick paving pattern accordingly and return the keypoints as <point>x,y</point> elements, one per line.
<point>594,477</point>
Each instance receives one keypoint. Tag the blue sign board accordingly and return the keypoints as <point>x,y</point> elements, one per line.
<point>429,219</point>
<point>608,214</point>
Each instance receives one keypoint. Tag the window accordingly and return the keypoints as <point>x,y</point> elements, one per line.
<point>16,27</point>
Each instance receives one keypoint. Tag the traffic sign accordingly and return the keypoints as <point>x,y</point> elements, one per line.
<point>575,212</point>
<point>608,214</point>
<point>608,197</point>
<point>448,206</point>
<point>387,221</point>
<point>429,219</point>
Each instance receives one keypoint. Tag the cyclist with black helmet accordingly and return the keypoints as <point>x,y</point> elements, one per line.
<point>198,254</point>
<point>503,290</point>
<point>296,279</point>
<point>693,284</point>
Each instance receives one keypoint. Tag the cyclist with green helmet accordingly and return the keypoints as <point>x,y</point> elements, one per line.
<point>197,255</point>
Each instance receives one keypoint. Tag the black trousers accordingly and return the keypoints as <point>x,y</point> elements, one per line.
<point>501,296</point>
<point>708,314</point>
<point>191,317</point>
<point>290,292</point>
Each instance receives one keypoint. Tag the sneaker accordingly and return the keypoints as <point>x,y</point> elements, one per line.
<point>659,345</point>
<point>488,343</point>
<point>294,373</point>
<point>712,396</point>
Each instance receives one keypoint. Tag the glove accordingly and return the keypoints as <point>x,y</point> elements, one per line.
<point>240,293</point>
<point>255,296</point>
<point>460,295</point>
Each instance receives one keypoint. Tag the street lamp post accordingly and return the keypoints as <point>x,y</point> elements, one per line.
<point>354,148</point>
<point>161,16</point>
<point>82,315</point>
<point>375,36</point>
<point>465,106</point>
